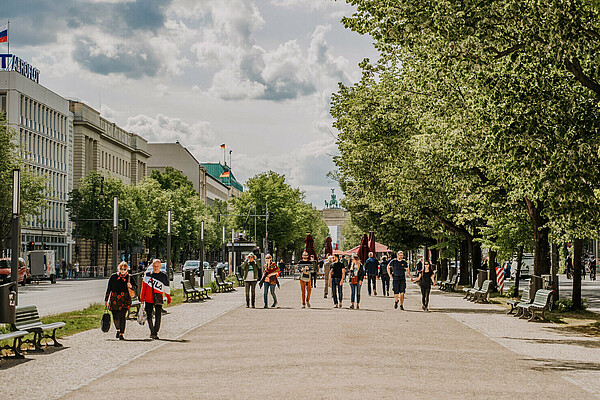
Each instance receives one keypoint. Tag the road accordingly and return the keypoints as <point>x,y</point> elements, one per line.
<point>67,295</point>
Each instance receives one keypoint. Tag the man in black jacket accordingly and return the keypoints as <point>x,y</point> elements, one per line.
<point>371,269</point>
<point>383,275</point>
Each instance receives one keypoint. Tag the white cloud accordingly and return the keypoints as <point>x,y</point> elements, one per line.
<point>163,128</point>
<point>332,8</point>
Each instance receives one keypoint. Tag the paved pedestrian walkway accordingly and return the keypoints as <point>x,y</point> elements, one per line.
<point>222,350</point>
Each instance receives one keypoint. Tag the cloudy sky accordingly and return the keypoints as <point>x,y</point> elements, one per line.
<point>256,75</point>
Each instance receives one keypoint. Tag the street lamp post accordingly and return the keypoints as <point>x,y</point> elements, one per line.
<point>16,239</point>
<point>169,244</point>
<point>115,249</point>
<point>202,244</point>
<point>224,249</point>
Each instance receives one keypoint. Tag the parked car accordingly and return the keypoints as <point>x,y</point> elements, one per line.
<point>163,269</point>
<point>526,266</point>
<point>194,265</point>
<point>24,276</point>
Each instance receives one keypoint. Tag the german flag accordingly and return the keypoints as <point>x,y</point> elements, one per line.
<point>224,175</point>
<point>223,146</point>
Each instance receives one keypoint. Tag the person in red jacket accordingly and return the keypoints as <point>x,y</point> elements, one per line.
<point>156,283</point>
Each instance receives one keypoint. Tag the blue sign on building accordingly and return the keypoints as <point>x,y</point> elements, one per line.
<point>10,62</point>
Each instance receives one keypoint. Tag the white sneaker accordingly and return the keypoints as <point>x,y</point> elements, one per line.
<point>335,306</point>
<point>303,306</point>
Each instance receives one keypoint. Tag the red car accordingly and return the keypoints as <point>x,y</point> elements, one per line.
<point>24,274</point>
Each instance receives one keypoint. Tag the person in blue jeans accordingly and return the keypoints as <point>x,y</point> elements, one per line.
<point>357,274</point>
<point>270,280</point>
<point>336,280</point>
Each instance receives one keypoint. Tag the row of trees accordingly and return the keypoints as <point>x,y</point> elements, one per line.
<point>146,205</point>
<point>480,122</point>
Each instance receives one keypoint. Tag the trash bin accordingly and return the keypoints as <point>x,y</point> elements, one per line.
<point>190,276</point>
<point>8,302</point>
<point>482,275</point>
<point>536,284</point>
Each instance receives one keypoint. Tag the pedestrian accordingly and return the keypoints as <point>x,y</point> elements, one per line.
<point>398,268</point>
<point>419,266</point>
<point>69,270</point>
<point>427,279</point>
<point>357,275</point>
<point>118,299</point>
<point>326,272</point>
<point>57,268</point>
<point>250,274</point>
<point>76,270</point>
<point>593,268</point>
<point>281,267</point>
<point>336,281</point>
<point>314,273</point>
<point>270,280</point>
<point>507,270</point>
<point>371,265</point>
<point>306,268</point>
<point>569,266</point>
<point>346,263</point>
<point>383,275</point>
<point>155,285</point>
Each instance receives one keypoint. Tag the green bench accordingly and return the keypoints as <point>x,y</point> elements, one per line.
<point>190,292</point>
<point>239,278</point>
<point>540,304</point>
<point>513,303</point>
<point>470,292</point>
<point>481,296</point>
<point>223,286</point>
<point>451,284</point>
<point>16,337</point>
<point>28,319</point>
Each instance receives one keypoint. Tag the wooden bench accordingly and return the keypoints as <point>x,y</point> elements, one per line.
<point>133,311</point>
<point>513,303</point>
<point>450,286</point>
<point>16,337</point>
<point>28,319</point>
<point>223,286</point>
<point>190,292</point>
<point>481,296</point>
<point>239,278</point>
<point>541,303</point>
<point>469,292</point>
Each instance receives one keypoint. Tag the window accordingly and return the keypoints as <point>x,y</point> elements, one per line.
<point>3,103</point>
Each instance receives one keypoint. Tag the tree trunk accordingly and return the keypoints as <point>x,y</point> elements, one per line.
<point>443,271</point>
<point>434,256</point>
<point>475,259</point>
<point>464,262</point>
<point>518,271</point>
<point>492,270</point>
<point>541,246</point>
<point>554,263</point>
<point>577,262</point>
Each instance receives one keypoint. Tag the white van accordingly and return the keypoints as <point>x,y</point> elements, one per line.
<point>42,265</point>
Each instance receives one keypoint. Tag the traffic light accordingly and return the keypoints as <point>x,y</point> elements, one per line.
<point>30,246</point>
<point>218,217</point>
<point>270,216</point>
<point>125,224</point>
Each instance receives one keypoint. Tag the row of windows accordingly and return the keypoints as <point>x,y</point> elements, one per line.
<point>54,217</point>
<point>56,186</point>
<point>44,150</point>
<point>115,164</point>
<point>37,116</point>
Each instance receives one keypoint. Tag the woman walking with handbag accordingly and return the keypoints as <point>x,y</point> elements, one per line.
<point>250,274</point>
<point>119,292</point>
<point>156,283</point>
<point>306,268</point>
<point>270,280</point>
<point>357,274</point>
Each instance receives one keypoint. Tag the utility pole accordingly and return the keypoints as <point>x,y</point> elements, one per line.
<point>15,234</point>
<point>169,244</point>
<point>202,243</point>
<point>115,249</point>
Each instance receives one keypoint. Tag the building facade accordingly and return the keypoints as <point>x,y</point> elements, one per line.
<point>175,155</point>
<point>45,132</point>
<point>224,174</point>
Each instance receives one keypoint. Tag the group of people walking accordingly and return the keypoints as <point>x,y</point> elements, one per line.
<point>335,273</point>
<point>122,288</point>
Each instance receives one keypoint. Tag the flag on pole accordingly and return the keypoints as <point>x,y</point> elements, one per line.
<point>223,146</point>
<point>224,174</point>
<point>4,34</point>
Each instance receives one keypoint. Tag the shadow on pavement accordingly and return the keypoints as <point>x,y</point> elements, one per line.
<point>7,363</point>
<point>174,340</point>
<point>591,344</point>
<point>469,311</point>
<point>560,365</point>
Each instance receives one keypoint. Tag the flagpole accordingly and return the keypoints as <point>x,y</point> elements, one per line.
<point>7,36</point>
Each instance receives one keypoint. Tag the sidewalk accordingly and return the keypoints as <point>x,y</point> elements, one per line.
<point>459,350</point>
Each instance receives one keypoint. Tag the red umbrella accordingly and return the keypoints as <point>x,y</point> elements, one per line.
<point>372,242</point>
<point>309,246</point>
<point>328,247</point>
<point>363,249</point>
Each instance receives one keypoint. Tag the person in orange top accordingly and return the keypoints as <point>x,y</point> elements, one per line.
<point>271,272</point>
<point>156,283</point>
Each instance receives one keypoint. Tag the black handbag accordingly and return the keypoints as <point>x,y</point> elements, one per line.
<point>105,323</point>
